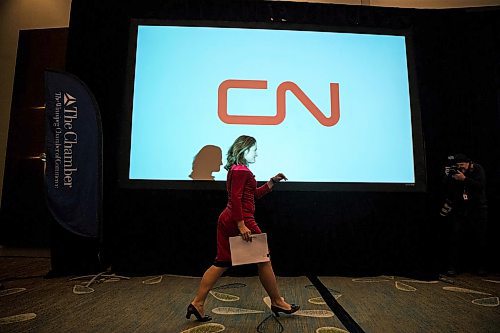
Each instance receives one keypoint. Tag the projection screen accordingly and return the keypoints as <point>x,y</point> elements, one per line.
<point>331,110</point>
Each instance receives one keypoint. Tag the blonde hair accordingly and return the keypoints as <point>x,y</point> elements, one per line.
<point>235,154</point>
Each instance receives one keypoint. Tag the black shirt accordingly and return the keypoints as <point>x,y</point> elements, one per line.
<point>471,191</point>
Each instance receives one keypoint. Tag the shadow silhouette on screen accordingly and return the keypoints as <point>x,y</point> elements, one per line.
<point>208,160</point>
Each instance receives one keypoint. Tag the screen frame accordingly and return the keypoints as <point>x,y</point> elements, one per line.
<point>419,164</point>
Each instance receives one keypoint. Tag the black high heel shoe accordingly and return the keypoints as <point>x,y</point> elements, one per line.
<point>191,310</point>
<point>277,309</point>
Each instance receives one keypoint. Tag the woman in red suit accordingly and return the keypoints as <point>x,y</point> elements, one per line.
<point>238,219</point>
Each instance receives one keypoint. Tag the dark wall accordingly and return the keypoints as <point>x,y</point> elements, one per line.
<point>457,68</point>
<point>24,218</point>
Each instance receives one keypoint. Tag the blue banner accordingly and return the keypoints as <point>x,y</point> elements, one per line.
<point>73,136</point>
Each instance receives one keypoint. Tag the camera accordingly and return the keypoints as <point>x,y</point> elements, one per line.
<point>453,170</point>
<point>452,166</point>
<point>446,209</point>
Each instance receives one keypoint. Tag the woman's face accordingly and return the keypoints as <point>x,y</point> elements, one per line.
<point>250,154</point>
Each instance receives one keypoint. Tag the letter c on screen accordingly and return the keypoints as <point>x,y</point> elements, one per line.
<point>280,103</point>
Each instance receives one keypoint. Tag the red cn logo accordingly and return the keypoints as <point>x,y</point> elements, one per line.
<point>280,103</point>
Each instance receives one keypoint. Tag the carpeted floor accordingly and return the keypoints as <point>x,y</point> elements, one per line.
<point>31,303</point>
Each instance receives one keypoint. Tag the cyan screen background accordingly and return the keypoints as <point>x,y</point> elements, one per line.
<point>178,72</point>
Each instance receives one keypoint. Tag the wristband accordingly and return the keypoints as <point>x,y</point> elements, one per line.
<point>274,181</point>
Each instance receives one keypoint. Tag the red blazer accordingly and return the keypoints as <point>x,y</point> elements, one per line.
<point>242,190</point>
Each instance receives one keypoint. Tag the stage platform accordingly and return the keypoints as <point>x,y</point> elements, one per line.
<point>31,303</point>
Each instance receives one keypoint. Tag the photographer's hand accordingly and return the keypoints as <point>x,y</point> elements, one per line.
<point>459,176</point>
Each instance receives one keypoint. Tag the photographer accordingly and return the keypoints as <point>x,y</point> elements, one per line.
<point>467,209</point>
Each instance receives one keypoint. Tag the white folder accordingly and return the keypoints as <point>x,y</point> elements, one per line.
<point>243,252</point>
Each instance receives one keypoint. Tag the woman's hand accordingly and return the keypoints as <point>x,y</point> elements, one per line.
<point>276,179</point>
<point>244,231</point>
<point>279,177</point>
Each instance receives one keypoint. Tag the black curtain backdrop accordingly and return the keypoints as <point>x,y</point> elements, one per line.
<point>173,231</point>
